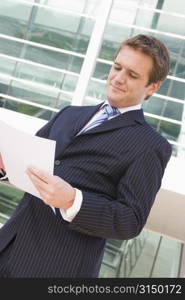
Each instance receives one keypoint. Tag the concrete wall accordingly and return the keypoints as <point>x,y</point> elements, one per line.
<point>167,215</point>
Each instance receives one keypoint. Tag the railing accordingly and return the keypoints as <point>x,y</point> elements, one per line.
<point>121,256</point>
<point>148,255</point>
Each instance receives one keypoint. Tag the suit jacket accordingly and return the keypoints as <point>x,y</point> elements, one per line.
<point>118,166</point>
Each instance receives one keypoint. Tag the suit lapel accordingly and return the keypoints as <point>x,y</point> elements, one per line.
<point>126,119</point>
<point>84,114</point>
<point>73,123</point>
<point>87,112</point>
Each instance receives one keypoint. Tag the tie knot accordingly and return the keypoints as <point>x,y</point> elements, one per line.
<point>106,112</point>
<point>111,110</point>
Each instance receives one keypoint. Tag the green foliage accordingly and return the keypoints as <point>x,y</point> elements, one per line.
<point>9,198</point>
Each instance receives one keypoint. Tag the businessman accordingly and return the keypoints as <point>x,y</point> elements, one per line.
<point>108,169</point>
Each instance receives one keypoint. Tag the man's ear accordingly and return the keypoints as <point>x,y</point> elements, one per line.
<point>152,88</point>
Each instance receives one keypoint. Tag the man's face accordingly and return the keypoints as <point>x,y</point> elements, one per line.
<point>128,78</point>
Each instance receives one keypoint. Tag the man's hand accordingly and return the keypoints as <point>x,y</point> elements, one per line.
<point>53,190</point>
<point>1,163</point>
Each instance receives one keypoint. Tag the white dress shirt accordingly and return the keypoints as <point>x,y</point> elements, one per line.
<point>70,213</point>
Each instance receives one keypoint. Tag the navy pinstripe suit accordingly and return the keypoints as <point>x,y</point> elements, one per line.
<point>118,166</point>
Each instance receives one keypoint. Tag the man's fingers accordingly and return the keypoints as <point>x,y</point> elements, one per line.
<point>39,183</point>
<point>1,163</point>
<point>43,188</point>
<point>44,176</point>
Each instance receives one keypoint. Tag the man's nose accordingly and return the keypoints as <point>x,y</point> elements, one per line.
<point>120,77</point>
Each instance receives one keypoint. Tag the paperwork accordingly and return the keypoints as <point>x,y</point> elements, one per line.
<point>20,150</point>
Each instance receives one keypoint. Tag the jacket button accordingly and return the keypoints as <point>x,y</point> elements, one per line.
<point>57,162</point>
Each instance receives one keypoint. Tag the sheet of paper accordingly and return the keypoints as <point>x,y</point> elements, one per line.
<point>19,150</point>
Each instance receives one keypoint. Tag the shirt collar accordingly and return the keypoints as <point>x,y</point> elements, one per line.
<point>125,109</point>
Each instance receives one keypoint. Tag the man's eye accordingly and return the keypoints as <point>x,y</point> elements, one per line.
<point>133,76</point>
<point>117,68</point>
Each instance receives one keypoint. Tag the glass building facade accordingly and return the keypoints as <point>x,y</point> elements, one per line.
<point>55,53</point>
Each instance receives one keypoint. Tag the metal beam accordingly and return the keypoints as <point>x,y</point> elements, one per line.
<point>92,52</point>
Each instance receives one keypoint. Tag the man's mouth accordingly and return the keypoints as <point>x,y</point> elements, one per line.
<point>117,88</point>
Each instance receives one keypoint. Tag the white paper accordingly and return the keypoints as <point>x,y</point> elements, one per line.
<point>20,150</point>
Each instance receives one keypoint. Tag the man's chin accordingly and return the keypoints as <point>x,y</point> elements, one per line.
<point>114,102</point>
<point>114,98</point>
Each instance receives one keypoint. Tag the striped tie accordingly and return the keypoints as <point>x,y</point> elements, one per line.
<point>108,111</point>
